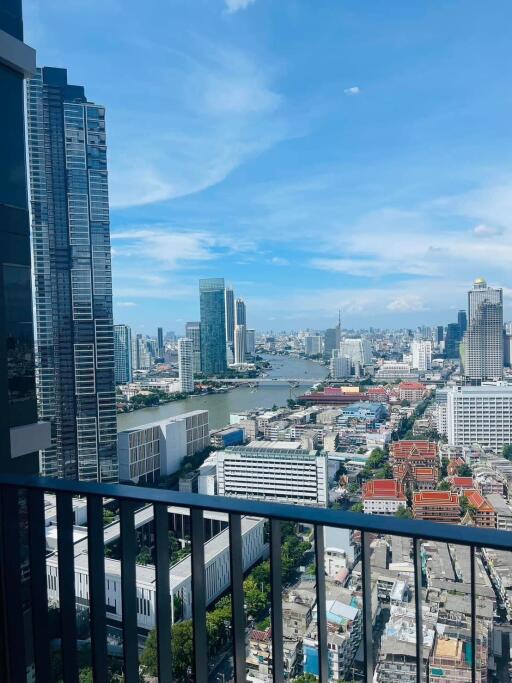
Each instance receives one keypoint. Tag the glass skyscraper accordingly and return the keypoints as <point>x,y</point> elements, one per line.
<point>230,316</point>
<point>483,341</point>
<point>213,326</point>
<point>19,430</point>
<point>193,332</point>
<point>73,279</point>
<point>123,354</point>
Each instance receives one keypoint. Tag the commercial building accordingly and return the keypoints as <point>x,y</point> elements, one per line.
<point>340,366</point>
<point>411,391</point>
<point>193,332</point>
<point>273,471</point>
<point>141,353</point>
<point>229,305</point>
<point>452,341</point>
<point>391,369</point>
<point>479,415</point>
<point>421,355</point>
<point>250,342</point>
<point>240,312</point>
<point>213,326</point>
<point>240,344</point>
<point>383,497</point>
<point>157,448</point>
<point>160,341</point>
<point>123,354</point>
<point>313,345</point>
<point>73,278</point>
<point>21,436</point>
<point>483,358</point>
<point>230,436</point>
<point>332,338</point>
<point>436,506</point>
<point>186,365</point>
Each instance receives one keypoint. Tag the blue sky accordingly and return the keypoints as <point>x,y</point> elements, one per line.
<point>318,154</point>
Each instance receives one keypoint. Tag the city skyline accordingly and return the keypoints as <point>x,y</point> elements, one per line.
<point>218,178</point>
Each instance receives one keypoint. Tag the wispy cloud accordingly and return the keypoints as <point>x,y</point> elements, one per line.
<point>279,261</point>
<point>236,5</point>
<point>354,90</point>
<point>126,304</point>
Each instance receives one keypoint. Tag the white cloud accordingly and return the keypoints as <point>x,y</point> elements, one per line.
<point>483,230</point>
<point>126,304</point>
<point>406,304</point>
<point>279,261</point>
<point>235,5</point>
<point>354,90</point>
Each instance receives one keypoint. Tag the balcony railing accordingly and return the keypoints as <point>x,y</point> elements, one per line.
<point>14,561</point>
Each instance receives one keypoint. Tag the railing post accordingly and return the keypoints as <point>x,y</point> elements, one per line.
<point>276,597</point>
<point>367,607</point>
<point>97,601</point>
<point>129,591</point>
<point>67,599</point>
<point>237,596</point>
<point>163,604</point>
<point>199,597</point>
<point>473,611</point>
<point>321,610</point>
<point>418,609</point>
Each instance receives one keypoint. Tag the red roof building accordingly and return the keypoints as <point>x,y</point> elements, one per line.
<point>411,391</point>
<point>484,513</point>
<point>436,506</point>
<point>332,398</point>
<point>460,484</point>
<point>383,497</point>
<point>454,464</point>
<point>415,464</point>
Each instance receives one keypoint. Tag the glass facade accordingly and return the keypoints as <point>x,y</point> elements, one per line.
<point>17,381</point>
<point>123,353</point>
<point>73,279</point>
<point>213,326</point>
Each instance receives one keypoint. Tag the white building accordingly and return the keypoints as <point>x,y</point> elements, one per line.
<point>313,344</point>
<point>479,415</point>
<point>217,570</point>
<point>250,342</point>
<point>390,369</point>
<point>421,355</point>
<point>275,471</point>
<point>186,365</point>
<point>240,343</point>
<point>357,350</point>
<point>157,448</point>
<point>483,355</point>
<point>340,366</point>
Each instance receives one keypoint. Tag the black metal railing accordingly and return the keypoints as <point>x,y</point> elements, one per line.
<point>130,498</point>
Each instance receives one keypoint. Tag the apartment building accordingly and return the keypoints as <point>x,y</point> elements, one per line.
<point>411,391</point>
<point>274,471</point>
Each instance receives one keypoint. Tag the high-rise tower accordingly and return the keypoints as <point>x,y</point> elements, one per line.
<point>123,354</point>
<point>72,274</point>
<point>240,312</point>
<point>230,315</point>
<point>193,332</point>
<point>213,326</point>
<point>20,434</point>
<point>186,365</point>
<point>484,337</point>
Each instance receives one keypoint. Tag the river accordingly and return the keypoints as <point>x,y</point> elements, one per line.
<point>220,406</point>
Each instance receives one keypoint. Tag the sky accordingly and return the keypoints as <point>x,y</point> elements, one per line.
<point>317,154</point>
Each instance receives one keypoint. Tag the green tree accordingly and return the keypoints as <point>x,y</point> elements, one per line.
<point>465,471</point>
<point>357,507</point>
<point>444,486</point>
<point>353,487</point>
<point>181,651</point>
<point>305,678</point>
<point>464,504</point>
<point>444,467</point>
<point>403,512</point>
<point>507,451</point>
<point>144,557</point>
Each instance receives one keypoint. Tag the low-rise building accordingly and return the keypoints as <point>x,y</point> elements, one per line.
<point>436,506</point>
<point>483,513</point>
<point>230,436</point>
<point>411,391</point>
<point>460,484</point>
<point>502,511</point>
<point>383,497</point>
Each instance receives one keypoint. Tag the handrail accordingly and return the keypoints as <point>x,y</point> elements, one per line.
<point>379,524</point>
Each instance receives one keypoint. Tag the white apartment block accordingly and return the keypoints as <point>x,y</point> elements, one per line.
<point>421,355</point>
<point>479,415</point>
<point>157,448</point>
<point>340,366</point>
<point>357,350</point>
<point>186,365</point>
<point>390,369</point>
<point>273,472</point>
<point>313,344</point>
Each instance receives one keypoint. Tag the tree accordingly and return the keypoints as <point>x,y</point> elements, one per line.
<point>305,678</point>
<point>465,471</point>
<point>405,403</point>
<point>444,486</point>
<point>353,487</point>
<point>464,504</point>
<point>144,557</point>
<point>357,507</point>
<point>403,512</point>
<point>507,451</point>
<point>444,467</point>
<point>181,651</point>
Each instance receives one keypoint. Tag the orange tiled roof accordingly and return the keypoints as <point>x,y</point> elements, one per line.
<point>462,482</point>
<point>414,449</point>
<point>428,498</point>
<point>383,489</point>
<point>475,498</point>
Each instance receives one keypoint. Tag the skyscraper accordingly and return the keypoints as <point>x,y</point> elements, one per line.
<point>421,355</point>
<point>439,334</point>
<point>185,365</point>
<point>250,342</point>
<point>240,312</point>
<point>462,321</point>
<point>193,332</point>
<point>484,337</point>
<point>240,343</point>
<point>20,433</point>
<point>213,325</point>
<point>160,338</point>
<point>230,315</point>
<point>72,274</point>
<point>452,340</point>
<point>123,354</point>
